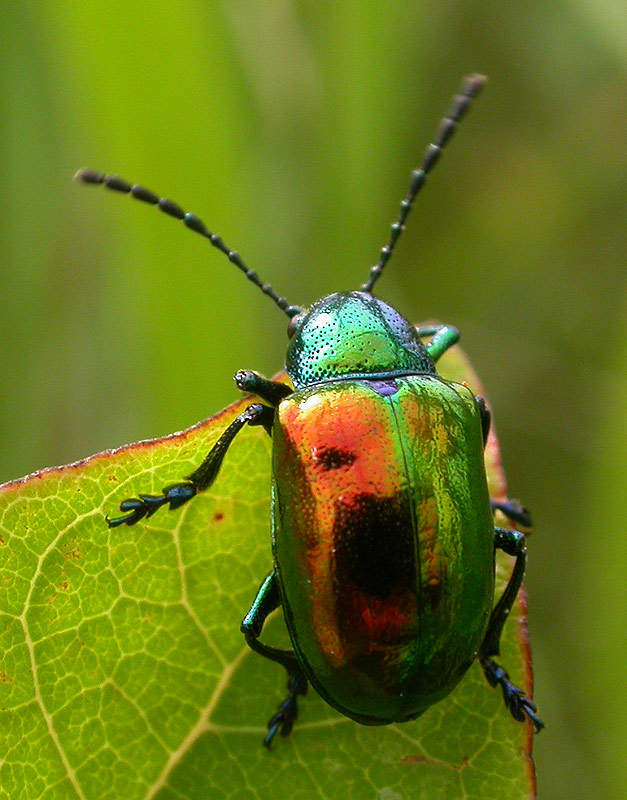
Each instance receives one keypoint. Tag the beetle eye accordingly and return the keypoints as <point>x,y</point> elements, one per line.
<point>294,324</point>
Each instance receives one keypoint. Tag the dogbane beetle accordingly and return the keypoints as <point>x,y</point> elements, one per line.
<point>383,534</point>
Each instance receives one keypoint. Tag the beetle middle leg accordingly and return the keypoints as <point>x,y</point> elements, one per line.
<point>519,705</point>
<point>266,601</point>
<point>176,494</point>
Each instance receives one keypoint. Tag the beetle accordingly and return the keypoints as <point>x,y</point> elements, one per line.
<point>383,532</point>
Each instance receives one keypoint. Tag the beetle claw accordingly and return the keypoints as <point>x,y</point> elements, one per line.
<point>287,714</point>
<point>138,508</point>
<point>516,701</point>
<point>283,721</point>
<point>520,706</point>
<point>529,708</point>
<point>127,519</point>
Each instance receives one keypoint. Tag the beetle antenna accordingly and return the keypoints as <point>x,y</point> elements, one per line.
<point>471,86</point>
<point>193,222</point>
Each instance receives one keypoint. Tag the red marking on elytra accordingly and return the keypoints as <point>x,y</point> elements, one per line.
<point>384,620</point>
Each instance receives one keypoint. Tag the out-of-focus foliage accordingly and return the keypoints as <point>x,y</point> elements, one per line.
<point>291,129</point>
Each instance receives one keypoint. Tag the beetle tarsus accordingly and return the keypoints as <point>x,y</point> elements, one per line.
<point>145,505</point>
<point>175,494</point>
<point>283,721</point>
<point>178,493</point>
<point>516,701</point>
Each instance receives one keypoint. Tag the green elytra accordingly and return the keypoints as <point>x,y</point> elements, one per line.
<point>382,511</point>
<point>380,503</point>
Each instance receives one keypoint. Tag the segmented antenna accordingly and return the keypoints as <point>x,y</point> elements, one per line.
<point>193,222</point>
<point>471,86</point>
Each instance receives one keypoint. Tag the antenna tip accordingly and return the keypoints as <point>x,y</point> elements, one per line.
<point>89,176</point>
<point>474,83</point>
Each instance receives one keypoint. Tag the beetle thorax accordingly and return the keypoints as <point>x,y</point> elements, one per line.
<point>353,334</point>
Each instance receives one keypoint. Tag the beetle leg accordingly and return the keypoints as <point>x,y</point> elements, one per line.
<point>513,543</point>
<point>266,601</point>
<point>486,417</point>
<point>176,494</point>
<point>444,336</point>
<point>271,391</point>
<point>515,699</point>
<point>519,705</point>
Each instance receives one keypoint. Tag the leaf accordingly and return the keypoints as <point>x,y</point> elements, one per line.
<point>124,675</point>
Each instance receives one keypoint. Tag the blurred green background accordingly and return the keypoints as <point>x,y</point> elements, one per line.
<point>291,128</point>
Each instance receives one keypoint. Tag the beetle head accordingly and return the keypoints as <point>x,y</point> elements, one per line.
<point>352,334</point>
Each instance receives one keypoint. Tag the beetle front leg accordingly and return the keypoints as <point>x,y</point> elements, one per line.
<point>444,337</point>
<point>176,494</point>
<point>271,391</point>
<point>266,601</point>
<point>519,705</point>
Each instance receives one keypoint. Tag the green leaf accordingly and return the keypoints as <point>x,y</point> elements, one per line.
<point>123,673</point>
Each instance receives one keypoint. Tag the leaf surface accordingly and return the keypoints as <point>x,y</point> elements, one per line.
<point>123,673</point>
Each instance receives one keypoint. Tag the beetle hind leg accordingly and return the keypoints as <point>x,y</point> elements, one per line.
<point>287,714</point>
<point>518,704</point>
<point>266,601</point>
<point>516,701</point>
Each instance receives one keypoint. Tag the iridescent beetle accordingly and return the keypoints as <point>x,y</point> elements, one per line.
<point>382,527</point>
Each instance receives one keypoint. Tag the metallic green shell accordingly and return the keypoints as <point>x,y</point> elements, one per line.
<point>383,540</point>
<point>353,334</point>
